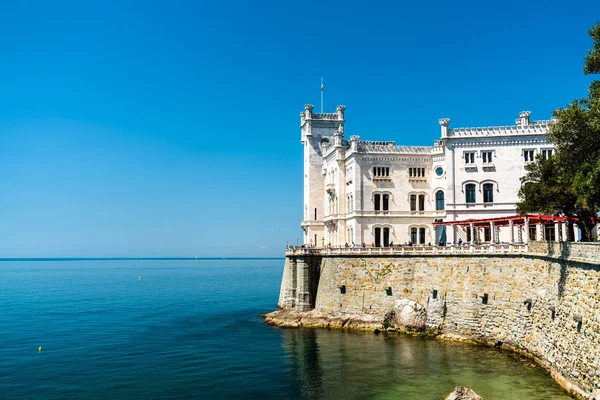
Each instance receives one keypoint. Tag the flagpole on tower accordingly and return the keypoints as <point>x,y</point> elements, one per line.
<point>322,90</point>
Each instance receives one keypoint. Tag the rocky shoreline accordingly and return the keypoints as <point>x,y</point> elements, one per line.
<point>357,322</point>
<point>314,319</point>
<point>406,316</point>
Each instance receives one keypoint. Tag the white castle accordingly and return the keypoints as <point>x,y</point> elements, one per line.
<point>381,193</point>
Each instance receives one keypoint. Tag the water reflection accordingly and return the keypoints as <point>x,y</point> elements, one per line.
<point>356,365</point>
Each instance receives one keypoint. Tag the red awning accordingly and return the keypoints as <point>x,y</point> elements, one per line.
<point>505,221</point>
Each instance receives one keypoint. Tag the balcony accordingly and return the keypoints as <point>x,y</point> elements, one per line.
<point>311,223</point>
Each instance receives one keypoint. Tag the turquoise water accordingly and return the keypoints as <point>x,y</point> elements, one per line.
<point>191,329</point>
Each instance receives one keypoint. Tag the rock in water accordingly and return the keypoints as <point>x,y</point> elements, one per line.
<point>407,314</point>
<point>463,393</point>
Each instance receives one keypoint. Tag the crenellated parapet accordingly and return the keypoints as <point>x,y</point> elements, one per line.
<point>536,127</point>
<point>308,114</point>
<point>325,116</point>
<point>391,147</point>
<point>524,126</point>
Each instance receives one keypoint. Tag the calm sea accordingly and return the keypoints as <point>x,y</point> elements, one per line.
<point>192,330</point>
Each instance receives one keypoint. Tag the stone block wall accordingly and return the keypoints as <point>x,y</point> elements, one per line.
<point>543,303</point>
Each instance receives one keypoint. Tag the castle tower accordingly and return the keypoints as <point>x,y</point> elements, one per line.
<point>316,129</point>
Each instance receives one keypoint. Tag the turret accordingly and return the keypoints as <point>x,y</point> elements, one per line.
<point>523,118</point>
<point>354,143</point>
<point>340,112</point>
<point>445,124</point>
<point>318,130</point>
<point>338,136</point>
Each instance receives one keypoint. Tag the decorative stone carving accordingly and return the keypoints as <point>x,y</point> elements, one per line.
<point>308,107</point>
<point>444,121</point>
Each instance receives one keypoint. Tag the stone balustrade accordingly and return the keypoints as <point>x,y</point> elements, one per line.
<point>411,250</point>
<point>327,116</point>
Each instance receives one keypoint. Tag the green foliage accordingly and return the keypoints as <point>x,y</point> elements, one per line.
<point>569,182</point>
<point>546,191</point>
<point>592,60</point>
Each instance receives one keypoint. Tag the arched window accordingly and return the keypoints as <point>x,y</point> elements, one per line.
<point>439,200</point>
<point>488,193</point>
<point>470,193</point>
<point>377,200</point>
<point>418,235</point>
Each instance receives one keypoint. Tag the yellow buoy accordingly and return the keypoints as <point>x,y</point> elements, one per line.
<point>40,349</point>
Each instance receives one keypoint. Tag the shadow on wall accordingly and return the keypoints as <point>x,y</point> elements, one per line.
<point>584,255</point>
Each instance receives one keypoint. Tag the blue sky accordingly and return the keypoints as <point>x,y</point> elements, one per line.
<point>171,128</point>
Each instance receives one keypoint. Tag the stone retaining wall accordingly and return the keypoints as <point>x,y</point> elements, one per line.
<point>544,303</point>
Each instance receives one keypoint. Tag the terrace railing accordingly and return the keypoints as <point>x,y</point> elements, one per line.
<point>503,248</point>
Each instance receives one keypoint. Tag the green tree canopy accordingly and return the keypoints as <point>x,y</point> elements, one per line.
<point>568,183</point>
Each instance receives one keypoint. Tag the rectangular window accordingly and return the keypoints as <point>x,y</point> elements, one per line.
<point>421,203</point>
<point>421,235</point>
<point>469,234</point>
<point>377,199</point>
<point>377,237</point>
<point>386,202</point>
<point>381,172</point>
<point>413,235</point>
<point>470,193</point>
<point>315,214</point>
<point>550,233</point>
<point>488,193</point>
<point>416,172</point>
<point>413,202</point>
<point>528,155</point>
<point>487,156</point>
<point>546,154</point>
<point>487,234</point>
<point>469,157</point>
<point>532,232</point>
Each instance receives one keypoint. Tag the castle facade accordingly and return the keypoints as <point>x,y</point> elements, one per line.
<point>381,193</point>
